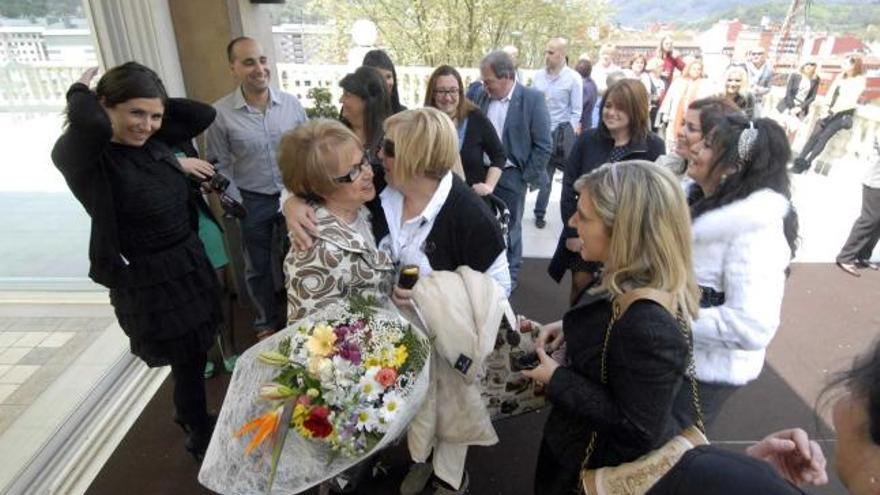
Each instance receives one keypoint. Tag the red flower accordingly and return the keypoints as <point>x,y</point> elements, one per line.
<point>317,422</point>
<point>386,377</point>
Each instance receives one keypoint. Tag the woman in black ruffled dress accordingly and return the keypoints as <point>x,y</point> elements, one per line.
<point>116,157</point>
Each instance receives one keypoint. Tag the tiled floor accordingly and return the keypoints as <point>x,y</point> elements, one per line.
<point>34,352</point>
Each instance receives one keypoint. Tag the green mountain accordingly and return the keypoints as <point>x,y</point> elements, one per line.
<point>856,16</point>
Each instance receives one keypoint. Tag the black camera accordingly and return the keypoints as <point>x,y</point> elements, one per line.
<point>219,183</point>
<point>522,362</point>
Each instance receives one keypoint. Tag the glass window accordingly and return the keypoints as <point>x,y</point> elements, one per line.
<point>45,230</point>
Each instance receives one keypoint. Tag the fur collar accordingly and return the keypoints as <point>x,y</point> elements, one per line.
<point>761,209</point>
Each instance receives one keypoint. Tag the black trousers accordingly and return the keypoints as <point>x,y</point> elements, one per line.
<point>824,131</point>
<point>865,231</point>
<point>712,397</point>
<point>189,389</point>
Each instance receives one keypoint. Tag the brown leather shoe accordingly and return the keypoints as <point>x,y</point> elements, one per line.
<point>849,268</point>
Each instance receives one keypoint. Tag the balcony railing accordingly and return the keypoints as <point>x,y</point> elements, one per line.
<point>41,86</point>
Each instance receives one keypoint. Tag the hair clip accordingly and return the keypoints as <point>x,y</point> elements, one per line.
<point>746,144</point>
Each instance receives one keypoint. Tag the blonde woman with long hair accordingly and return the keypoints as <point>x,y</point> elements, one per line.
<point>632,216</point>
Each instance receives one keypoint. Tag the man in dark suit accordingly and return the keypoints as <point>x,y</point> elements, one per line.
<point>519,115</point>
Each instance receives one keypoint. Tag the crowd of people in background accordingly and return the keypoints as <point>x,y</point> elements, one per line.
<point>671,181</point>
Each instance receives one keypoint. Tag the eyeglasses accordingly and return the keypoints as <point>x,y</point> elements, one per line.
<point>387,147</point>
<point>450,92</point>
<point>354,173</point>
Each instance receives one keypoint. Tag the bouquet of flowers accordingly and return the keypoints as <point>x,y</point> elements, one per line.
<point>341,384</point>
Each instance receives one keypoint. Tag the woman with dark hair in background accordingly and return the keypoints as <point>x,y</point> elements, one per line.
<point>380,61</point>
<point>585,68</point>
<point>744,236</point>
<point>843,98</point>
<point>622,135</point>
<point>800,91</point>
<point>365,106</point>
<point>116,156</point>
<point>476,136</point>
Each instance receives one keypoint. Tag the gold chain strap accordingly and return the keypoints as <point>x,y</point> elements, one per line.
<point>691,371</point>
<point>685,327</point>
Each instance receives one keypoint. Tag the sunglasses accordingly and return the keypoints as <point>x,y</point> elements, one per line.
<point>354,173</point>
<point>387,147</point>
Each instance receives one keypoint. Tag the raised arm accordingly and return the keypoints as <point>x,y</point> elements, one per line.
<point>184,119</point>
<point>76,153</point>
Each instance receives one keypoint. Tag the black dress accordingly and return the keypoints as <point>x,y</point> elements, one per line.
<point>144,242</point>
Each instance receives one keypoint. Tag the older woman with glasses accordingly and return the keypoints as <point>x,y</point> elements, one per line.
<point>323,161</point>
<point>476,136</point>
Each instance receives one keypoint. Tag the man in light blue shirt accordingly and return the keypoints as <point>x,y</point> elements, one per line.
<point>563,91</point>
<point>242,142</point>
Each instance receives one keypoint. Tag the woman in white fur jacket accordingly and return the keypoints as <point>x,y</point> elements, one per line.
<point>744,237</point>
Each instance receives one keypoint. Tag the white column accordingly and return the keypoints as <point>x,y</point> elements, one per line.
<point>139,30</point>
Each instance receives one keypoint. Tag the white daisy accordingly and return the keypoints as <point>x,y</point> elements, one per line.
<point>392,403</point>
<point>367,419</point>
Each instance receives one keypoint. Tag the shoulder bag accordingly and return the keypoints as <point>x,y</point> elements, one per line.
<point>638,476</point>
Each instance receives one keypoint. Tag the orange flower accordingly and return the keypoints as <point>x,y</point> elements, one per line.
<point>386,377</point>
<point>265,425</point>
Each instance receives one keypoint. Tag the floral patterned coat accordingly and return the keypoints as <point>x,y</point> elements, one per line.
<point>340,263</point>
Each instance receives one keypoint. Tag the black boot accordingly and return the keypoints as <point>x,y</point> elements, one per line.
<point>198,436</point>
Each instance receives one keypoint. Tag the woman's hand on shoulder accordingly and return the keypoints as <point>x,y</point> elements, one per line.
<point>301,221</point>
<point>87,76</point>
<point>794,456</point>
<point>196,168</point>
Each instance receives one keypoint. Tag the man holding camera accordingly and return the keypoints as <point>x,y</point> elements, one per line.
<point>242,143</point>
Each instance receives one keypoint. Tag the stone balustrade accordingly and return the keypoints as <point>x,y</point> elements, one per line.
<point>41,86</point>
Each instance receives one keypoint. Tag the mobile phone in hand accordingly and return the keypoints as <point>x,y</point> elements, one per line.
<point>409,275</point>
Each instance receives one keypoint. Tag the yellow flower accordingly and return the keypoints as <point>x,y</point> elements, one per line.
<point>300,414</point>
<point>400,355</point>
<point>312,392</point>
<point>321,342</point>
<point>372,361</point>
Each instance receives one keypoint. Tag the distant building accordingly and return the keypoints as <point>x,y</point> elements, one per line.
<point>22,44</point>
<point>299,43</point>
<point>70,45</point>
<point>29,44</point>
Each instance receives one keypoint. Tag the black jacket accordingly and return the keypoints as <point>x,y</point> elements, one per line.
<point>80,156</point>
<point>590,151</point>
<point>646,364</point>
<point>479,138</point>
<point>791,91</point>
<point>708,469</point>
<point>465,233</point>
